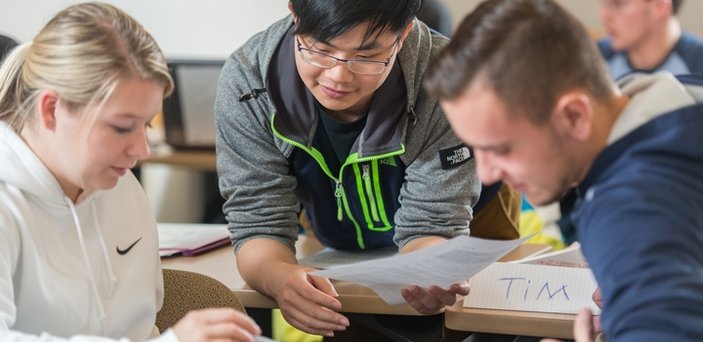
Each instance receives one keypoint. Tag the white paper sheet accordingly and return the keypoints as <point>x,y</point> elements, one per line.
<point>330,257</point>
<point>450,262</point>
<point>568,257</point>
<point>527,287</point>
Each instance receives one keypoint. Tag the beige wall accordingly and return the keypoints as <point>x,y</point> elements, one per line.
<point>587,11</point>
<point>214,28</point>
<point>189,29</point>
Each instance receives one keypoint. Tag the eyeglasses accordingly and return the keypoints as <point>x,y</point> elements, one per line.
<point>357,66</point>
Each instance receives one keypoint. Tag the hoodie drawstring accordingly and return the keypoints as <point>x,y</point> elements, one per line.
<point>108,265</point>
<point>91,276</point>
<point>411,115</point>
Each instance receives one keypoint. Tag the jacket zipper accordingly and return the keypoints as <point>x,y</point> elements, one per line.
<point>338,195</point>
<point>370,184</point>
<point>341,198</point>
<point>342,205</point>
<point>366,176</point>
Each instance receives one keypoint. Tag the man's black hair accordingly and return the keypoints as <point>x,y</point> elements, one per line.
<point>324,20</point>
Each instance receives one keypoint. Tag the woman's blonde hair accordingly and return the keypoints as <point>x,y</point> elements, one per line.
<point>81,53</point>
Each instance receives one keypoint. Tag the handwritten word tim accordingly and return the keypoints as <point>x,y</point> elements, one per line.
<point>523,285</point>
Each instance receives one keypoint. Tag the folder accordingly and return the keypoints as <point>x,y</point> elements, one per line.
<point>190,239</point>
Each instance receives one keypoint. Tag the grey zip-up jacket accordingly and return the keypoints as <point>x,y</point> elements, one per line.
<point>264,133</point>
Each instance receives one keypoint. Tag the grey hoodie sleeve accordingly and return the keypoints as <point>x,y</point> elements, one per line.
<point>253,170</point>
<point>433,201</point>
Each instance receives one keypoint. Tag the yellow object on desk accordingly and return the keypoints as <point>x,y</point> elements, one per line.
<point>282,331</point>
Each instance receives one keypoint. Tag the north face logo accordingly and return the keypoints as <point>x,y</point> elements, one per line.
<point>455,156</point>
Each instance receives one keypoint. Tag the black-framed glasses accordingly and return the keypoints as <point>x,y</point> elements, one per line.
<point>357,66</point>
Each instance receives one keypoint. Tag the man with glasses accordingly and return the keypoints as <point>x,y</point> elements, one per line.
<point>325,110</point>
<point>646,36</point>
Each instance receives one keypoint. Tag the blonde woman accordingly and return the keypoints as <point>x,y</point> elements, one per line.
<point>78,244</point>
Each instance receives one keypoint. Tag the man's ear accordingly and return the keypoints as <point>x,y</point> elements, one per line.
<point>662,8</point>
<point>573,115</point>
<point>290,8</point>
<point>46,106</point>
<point>405,33</point>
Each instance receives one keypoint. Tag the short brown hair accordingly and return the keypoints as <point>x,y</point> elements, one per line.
<point>528,51</point>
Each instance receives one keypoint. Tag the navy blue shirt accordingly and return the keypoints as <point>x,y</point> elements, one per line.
<point>685,58</point>
<point>639,217</point>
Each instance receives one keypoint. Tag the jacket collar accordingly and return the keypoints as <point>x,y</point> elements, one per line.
<point>296,117</point>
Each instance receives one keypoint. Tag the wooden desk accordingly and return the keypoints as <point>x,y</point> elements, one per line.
<point>522,323</point>
<point>221,265</point>
<point>197,160</point>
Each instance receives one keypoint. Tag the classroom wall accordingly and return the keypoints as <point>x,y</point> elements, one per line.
<point>183,28</point>
<point>214,28</point>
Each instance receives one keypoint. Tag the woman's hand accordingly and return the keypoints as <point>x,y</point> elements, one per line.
<point>216,324</point>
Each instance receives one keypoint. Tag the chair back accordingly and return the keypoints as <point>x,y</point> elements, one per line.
<point>185,291</point>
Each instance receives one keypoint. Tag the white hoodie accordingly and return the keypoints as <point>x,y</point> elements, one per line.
<point>67,271</point>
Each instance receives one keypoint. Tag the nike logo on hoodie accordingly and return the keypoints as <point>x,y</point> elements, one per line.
<point>126,250</point>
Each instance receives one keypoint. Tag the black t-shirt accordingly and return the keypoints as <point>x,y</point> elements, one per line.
<point>337,138</point>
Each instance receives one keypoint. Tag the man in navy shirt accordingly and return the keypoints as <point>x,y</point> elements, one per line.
<point>632,152</point>
<point>646,36</point>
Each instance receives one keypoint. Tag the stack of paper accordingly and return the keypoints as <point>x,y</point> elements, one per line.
<point>190,239</point>
<point>568,257</point>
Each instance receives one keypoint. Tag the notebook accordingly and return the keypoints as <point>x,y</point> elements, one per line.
<point>556,282</point>
<point>190,239</point>
<point>189,117</point>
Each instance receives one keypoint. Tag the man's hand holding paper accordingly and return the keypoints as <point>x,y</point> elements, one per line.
<point>435,299</point>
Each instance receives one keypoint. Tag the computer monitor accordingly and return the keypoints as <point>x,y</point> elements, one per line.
<point>189,117</point>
